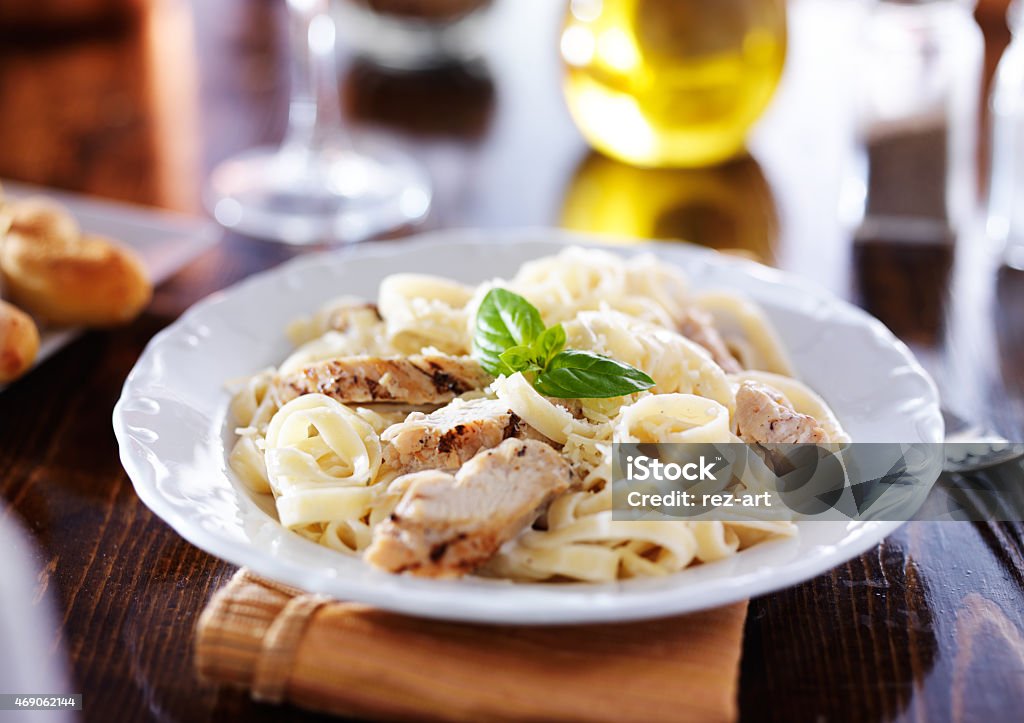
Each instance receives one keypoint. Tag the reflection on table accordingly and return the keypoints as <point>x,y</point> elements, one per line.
<point>728,207</point>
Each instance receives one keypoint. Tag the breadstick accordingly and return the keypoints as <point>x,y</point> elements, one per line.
<point>67,279</point>
<point>19,342</point>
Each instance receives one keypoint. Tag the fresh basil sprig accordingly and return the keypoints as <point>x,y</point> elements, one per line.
<point>582,374</point>
<point>504,321</point>
<point>510,337</point>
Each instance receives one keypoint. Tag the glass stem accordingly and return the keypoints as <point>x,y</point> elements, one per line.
<point>314,111</point>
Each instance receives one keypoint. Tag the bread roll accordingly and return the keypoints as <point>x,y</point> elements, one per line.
<point>5,215</point>
<point>64,278</point>
<point>43,219</point>
<point>19,342</point>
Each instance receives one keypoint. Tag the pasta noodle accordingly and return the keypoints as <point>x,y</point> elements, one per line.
<point>675,363</point>
<point>746,332</point>
<point>581,280</point>
<point>673,418</point>
<point>548,418</point>
<point>321,457</point>
<point>425,311</point>
<point>343,327</point>
<point>326,465</point>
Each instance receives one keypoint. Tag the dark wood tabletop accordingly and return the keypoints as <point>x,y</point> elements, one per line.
<point>928,625</point>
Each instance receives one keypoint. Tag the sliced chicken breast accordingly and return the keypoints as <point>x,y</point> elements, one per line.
<point>765,415</point>
<point>417,379</point>
<point>448,525</point>
<point>696,325</point>
<point>449,437</point>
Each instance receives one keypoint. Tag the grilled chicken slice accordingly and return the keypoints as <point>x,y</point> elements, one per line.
<point>417,379</point>
<point>765,415</point>
<point>448,525</point>
<point>696,326</point>
<point>450,436</point>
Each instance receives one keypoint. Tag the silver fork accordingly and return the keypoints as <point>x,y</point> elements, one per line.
<point>975,447</point>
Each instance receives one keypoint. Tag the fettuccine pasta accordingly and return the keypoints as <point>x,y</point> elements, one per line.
<point>381,403</point>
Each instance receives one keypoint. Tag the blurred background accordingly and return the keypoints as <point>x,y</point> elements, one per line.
<point>850,141</point>
<point>873,146</point>
<point>141,99</point>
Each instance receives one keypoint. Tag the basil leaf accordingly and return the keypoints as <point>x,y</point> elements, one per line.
<point>504,320</point>
<point>510,337</point>
<point>584,375</point>
<point>519,358</point>
<point>548,344</point>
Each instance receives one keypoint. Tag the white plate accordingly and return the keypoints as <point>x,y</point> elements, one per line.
<point>165,241</point>
<point>171,426</point>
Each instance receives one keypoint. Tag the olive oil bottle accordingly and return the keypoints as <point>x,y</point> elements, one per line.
<point>671,83</point>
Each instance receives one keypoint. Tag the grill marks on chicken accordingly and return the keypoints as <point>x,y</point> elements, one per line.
<point>449,437</point>
<point>765,415</point>
<point>447,525</point>
<point>473,474</point>
<point>416,379</point>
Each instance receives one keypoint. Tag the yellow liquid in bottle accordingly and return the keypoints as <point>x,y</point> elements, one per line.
<point>671,82</point>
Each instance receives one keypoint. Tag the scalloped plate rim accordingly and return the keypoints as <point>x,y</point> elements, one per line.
<point>462,600</point>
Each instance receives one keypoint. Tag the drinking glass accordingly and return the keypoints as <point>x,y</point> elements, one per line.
<point>1006,184</point>
<point>316,187</point>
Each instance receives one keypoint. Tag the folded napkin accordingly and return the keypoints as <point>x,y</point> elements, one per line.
<point>349,659</point>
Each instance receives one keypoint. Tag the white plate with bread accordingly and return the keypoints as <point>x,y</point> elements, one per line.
<point>68,263</point>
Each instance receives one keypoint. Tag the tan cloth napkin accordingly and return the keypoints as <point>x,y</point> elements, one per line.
<point>325,655</point>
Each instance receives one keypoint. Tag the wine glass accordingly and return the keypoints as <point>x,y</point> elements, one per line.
<point>316,187</point>
<point>1005,221</point>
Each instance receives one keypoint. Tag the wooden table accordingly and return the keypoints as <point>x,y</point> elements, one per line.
<point>929,625</point>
